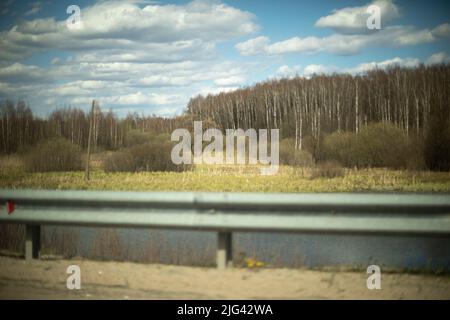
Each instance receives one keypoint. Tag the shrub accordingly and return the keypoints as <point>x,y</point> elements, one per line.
<point>381,145</point>
<point>376,145</point>
<point>415,153</point>
<point>339,146</point>
<point>292,157</point>
<point>153,155</point>
<point>437,143</point>
<point>328,169</point>
<point>314,146</point>
<point>56,154</point>
<point>119,161</point>
<point>135,137</point>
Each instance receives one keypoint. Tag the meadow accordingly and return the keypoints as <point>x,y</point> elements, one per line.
<point>226,178</point>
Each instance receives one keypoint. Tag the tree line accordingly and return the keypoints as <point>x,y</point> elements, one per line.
<point>19,128</point>
<point>302,107</point>
<point>415,100</point>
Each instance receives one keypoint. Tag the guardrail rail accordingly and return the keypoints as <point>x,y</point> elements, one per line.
<point>417,214</point>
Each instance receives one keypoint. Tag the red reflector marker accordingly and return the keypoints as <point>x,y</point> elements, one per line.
<point>10,207</point>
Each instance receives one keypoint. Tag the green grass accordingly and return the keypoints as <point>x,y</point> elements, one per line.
<point>237,179</point>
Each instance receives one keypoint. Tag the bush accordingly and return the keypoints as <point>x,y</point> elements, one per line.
<point>292,157</point>
<point>56,154</point>
<point>376,145</point>
<point>339,146</point>
<point>437,143</point>
<point>328,169</point>
<point>314,146</point>
<point>382,145</point>
<point>154,156</point>
<point>134,138</point>
<point>150,156</point>
<point>119,161</point>
<point>415,153</point>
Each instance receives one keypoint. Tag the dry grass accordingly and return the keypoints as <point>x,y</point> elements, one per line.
<point>12,238</point>
<point>60,241</point>
<point>328,169</point>
<point>235,179</point>
<point>227,178</point>
<point>11,164</point>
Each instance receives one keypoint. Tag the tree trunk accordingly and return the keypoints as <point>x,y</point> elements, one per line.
<point>88,156</point>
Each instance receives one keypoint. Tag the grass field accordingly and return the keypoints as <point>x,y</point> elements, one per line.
<point>227,178</point>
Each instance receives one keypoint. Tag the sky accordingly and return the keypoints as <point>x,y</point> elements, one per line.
<point>151,57</point>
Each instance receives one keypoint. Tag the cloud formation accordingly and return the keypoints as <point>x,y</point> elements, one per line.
<point>126,32</point>
<point>35,8</point>
<point>353,19</point>
<point>286,71</point>
<point>351,34</point>
<point>345,44</point>
<point>127,53</point>
<point>142,55</point>
<point>438,58</point>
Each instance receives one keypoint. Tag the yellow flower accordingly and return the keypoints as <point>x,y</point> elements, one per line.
<point>252,263</point>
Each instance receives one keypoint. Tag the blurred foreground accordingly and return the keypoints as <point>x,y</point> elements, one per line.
<point>46,279</point>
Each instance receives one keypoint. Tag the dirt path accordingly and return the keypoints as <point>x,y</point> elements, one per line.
<point>117,280</point>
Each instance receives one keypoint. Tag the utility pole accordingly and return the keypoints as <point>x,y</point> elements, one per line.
<point>91,122</point>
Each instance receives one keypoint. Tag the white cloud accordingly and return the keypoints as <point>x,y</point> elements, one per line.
<point>128,53</point>
<point>318,69</point>
<point>438,58</point>
<point>253,46</point>
<point>344,44</point>
<point>139,98</point>
<point>167,111</point>
<point>286,71</point>
<point>294,45</point>
<point>55,60</point>
<point>125,31</point>
<point>6,88</point>
<point>352,34</point>
<point>230,81</point>
<point>18,72</point>
<point>164,81</point>
<point>209,90</point>
<point>35,8</point>
<point>144,86</point>
<point>361,68</point>
<point>353,19</point>
<point>442,31</point>
<point>397,61</point>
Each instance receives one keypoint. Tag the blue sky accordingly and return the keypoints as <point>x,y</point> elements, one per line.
<point>151,57</point>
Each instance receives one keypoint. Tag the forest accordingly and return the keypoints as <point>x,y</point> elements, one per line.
<point>402,111</point>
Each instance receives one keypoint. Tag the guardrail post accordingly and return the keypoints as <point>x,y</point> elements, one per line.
<point>32,242</point>
<point>224,250</point>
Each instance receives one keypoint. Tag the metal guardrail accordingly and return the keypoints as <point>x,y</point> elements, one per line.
<point>417,214</point>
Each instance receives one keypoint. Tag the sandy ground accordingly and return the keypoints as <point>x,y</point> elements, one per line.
<point>46,279</point>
